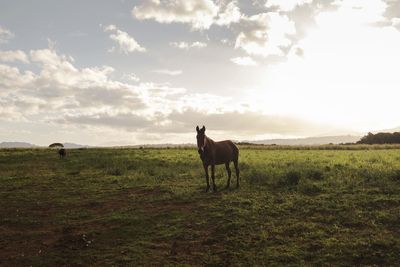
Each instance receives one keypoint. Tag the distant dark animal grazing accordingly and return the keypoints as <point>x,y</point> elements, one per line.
<point>216,153</point>
<point>62,152</point>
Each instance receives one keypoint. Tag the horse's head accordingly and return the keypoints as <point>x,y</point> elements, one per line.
<point>201,139</point>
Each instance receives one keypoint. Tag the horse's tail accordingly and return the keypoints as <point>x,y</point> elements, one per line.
<point>235,151</point>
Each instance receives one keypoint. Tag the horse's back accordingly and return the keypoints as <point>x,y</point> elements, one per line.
<point>226,151</point>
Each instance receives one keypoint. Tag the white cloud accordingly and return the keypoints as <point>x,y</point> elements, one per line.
<point>64,94</point>
<point>5,35</point>
<point>61,93</point>
<point>199,13</point>
<point>61,88</point>
<point>185,45</point>
<point>126,43</point>
<point>161,95</point>
<point>286,5</point>
<point>59,69</point>
<point>11,78</point>
<point>396,22</point>
<point>128,121</point>
<point>180,45</point>
<point>130,77</point>
<point>265,34</point>
<point>244,61</point>
<point>198,44</point>
<point>226,42</point>
<point>231,14</point>
<point>11,56</point>
<point>251,123</point>
<point>181,124</point>
<point>168,72</point>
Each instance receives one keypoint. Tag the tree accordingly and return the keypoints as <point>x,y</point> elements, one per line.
<point>380,138</point>
<point>56,145</point>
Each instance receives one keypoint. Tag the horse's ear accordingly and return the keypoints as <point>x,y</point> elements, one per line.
<point>203,129</point>
<point>197,128</point>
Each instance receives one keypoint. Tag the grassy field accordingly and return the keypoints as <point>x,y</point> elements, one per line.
<point>135,207</point>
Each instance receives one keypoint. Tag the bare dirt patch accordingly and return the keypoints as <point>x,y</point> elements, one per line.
<point>78,235</point>
<point>120,200</point>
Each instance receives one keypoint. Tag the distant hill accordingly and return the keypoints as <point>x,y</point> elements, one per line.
<point>29,145</point>
<point>295,141</point>
<point>72,145</point>
<point>310,140</point>
<point>16,145</point>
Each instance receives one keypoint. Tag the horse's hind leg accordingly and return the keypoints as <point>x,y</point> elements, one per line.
<point>228,170</point>
<point>235,162</point>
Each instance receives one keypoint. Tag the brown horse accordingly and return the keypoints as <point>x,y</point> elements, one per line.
<point>216,153</point>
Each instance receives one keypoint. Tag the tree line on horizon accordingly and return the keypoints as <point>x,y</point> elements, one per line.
<point>380,138</point>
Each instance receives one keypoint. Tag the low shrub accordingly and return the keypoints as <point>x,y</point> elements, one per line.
<point>292,178</point>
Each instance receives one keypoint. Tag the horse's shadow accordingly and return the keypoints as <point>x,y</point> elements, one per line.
<point>222,189</point>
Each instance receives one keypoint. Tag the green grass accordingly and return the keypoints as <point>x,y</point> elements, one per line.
<point>134,207</point>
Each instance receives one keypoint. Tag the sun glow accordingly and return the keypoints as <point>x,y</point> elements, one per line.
<point>344,72</point>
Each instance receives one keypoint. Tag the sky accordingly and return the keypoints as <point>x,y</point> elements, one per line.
<point>100,72</point>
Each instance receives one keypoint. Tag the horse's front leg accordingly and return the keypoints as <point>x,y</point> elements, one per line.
<point>207,177</point>
<point>213,176</point>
